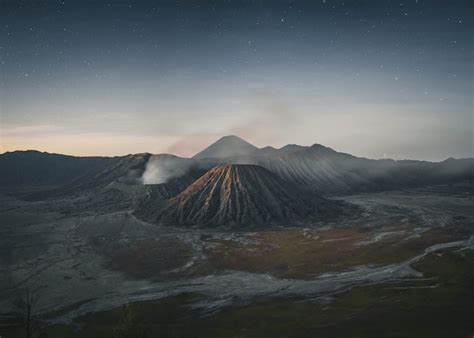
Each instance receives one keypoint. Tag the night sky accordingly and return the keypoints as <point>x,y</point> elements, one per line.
<point>373,78</point>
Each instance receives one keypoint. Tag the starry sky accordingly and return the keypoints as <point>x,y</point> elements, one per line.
<point>375,78</point>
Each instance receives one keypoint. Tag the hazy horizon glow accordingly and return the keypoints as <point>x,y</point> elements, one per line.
<point>371,78</point>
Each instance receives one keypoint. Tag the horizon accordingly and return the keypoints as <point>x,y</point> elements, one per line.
<point>225,136</point>
<point>377,79</point>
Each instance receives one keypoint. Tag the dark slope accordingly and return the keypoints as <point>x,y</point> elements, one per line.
<point>118,196</point>
<point>126,169</point>
<point>227,146</point>
<point>34,168</point>
<point>239,195</point>
<point>122,180</point>
<point>114,187</point>
<point>126,177</point>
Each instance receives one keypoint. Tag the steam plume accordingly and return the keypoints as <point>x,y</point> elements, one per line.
<point>162,168</point>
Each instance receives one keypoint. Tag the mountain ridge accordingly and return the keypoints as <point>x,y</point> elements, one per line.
<point>316,168</point>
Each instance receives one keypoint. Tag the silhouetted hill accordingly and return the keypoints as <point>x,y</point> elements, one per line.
<point>34,168</point>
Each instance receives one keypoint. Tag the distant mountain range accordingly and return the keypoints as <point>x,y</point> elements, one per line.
<point>316,168</point>
<point>229,182</point>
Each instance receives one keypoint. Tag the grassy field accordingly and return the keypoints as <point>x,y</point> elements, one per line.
<point>290,253</point>
<point>440,305</point>
<point>303,254</point>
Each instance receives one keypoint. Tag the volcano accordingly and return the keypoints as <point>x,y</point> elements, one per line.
<point>225,147</point>
<point>239,195</point>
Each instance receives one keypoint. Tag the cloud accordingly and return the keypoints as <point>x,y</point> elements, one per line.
<point>27,130</point>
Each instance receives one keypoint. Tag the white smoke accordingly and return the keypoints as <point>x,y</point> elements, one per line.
<point>162,168</point>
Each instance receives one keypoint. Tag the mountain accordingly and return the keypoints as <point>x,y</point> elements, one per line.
<point>123,180</point>
<point>126,170</point>
<point>328,172</point>
<point>314,169</point>
<point>225,147</point>
<point>34,168</point>
<point>239,195</point>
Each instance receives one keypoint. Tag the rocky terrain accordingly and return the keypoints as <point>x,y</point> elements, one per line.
<point>258,236</point>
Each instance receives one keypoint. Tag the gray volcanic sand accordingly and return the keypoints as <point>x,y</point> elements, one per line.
<point>68,259</point>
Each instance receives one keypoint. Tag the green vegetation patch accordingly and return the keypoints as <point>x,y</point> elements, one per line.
<point>297,253</point>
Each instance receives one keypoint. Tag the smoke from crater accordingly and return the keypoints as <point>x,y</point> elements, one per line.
<point>162,168</point>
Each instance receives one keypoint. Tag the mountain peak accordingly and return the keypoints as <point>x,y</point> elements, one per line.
<point>227,146</point>
<point>231,138</point>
